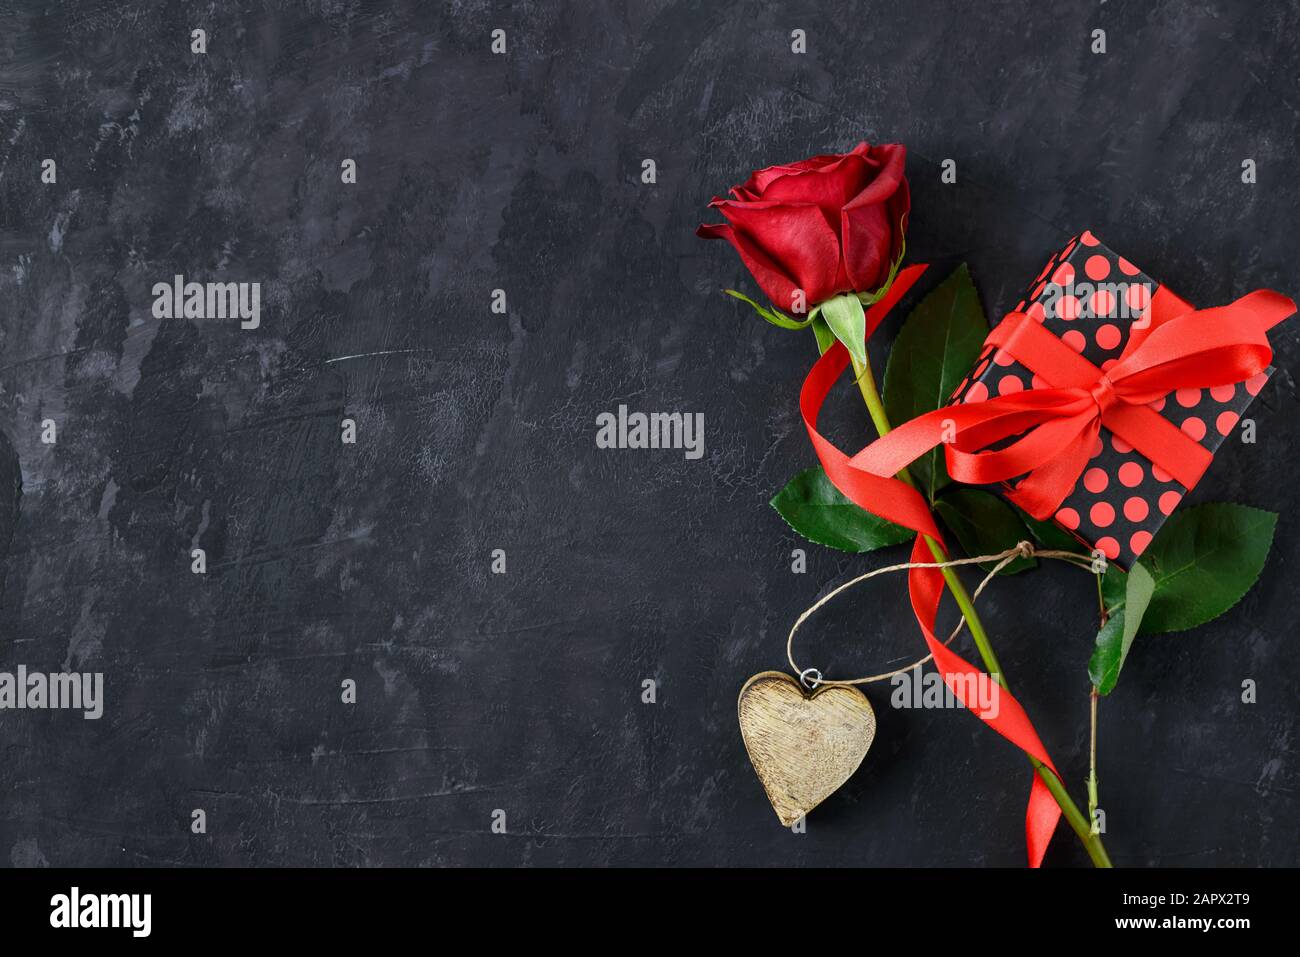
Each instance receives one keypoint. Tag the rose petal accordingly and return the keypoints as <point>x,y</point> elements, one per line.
<point>866,246</point>
<point>872,223</point>
<point>760,179</point>
<point>775,284</point>
<point>829,187</point>
<point>795,238</point>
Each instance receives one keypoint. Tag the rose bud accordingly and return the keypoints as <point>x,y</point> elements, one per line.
<point>811,230</point>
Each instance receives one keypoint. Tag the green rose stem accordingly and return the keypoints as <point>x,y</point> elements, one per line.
<point>1104,616</point>
<point>1091,842</point>
<point>1092,766</point>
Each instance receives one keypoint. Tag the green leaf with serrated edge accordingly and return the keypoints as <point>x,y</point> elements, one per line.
<point>1198,566</point>
<point>774,316</point>
<point>825,338</point>
<point>934,351</point>
<point>846,318</point>
<point>984,524</point>
<point>1203,561</point>
<point>1116,636</point>
<point>816,509</point>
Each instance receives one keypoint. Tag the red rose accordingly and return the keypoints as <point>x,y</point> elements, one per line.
<point>826,225</point>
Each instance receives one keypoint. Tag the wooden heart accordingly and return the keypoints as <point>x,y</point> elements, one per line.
<point>803,746</point>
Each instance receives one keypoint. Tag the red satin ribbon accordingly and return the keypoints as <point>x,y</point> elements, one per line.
<point>1184,349</point>
<point>898,502</point>
<point>1181,348</point>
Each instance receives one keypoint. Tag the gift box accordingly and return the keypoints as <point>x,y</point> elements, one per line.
<point>1096,302</point>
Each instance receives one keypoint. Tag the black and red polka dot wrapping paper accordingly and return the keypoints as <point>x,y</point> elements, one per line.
<point>1089,297</point>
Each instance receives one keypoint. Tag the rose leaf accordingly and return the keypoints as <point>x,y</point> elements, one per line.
<point>1116,636</point>
<point>817,510</point>
<point>1203,561</point>
<point>934,351</point>
<point>1200,564</point>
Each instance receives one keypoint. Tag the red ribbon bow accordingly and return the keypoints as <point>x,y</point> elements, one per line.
<point>1180,348</point>
<point>1209,348</point>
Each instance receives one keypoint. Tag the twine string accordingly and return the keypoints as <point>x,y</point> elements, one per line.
<point>811,678</point>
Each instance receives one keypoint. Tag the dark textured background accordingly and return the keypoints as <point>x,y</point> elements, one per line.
<point>522,691</point>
